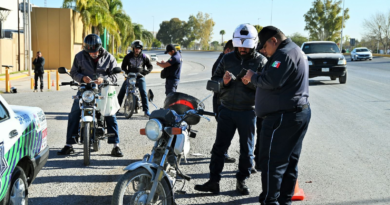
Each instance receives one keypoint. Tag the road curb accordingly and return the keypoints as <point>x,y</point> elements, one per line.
<point>14,78</point>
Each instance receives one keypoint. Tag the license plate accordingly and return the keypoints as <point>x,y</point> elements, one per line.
<point>325,69</point>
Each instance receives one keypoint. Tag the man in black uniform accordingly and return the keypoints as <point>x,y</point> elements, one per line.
<point>237,109</point>
<point>216,103</point>
<point>38,63</point>
<point>282,100</point>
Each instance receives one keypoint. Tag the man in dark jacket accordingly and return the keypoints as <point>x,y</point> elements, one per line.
<point>282,100</point>
<point>172,69</point>
<point>93,64</point>
<point>237,108</point>
<point>216,103</point>
<point>38,63</point>
<point>137,62</point>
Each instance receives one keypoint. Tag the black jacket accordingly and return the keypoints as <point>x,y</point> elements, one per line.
<point>216,63</point>
<point>283,84</point>
<point>38,65</point>
<point>137,64</point>
<point>236,95</point>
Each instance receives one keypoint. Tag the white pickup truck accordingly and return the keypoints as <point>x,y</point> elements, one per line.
<point>23,150</point>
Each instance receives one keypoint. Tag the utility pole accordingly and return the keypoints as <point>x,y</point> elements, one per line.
<point>29,38</point>
<point>18,36</point>
<point>258,21</point>
<point>342,28</point>
<point>45,3</point>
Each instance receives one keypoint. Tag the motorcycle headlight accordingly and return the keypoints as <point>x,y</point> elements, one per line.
<point>132,81</point>
<point>342,61</point>
<point>154,129</point>
<point>88,96</point>
<point>310,63</point>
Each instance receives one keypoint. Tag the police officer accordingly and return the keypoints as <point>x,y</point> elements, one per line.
<point>237,109</point>
<point>135,62</point>
<point>93,64</point>
<point>216,103</point>
<point>282,100</point>
<point>172,69</point>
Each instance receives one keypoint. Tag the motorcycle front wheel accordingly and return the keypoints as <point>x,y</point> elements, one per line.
<point>87,137</point>
<point>134,188</point>
<point>129,105</point>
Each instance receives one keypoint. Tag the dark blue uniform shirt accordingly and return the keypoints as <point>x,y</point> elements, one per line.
<point>175,69</point>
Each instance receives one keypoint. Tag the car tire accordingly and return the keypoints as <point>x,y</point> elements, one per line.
<point>18,176</point>
<point>333,77</point>
<point>370,59</point>
<point>343,79</point>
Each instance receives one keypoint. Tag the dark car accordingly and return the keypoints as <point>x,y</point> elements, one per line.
<point>325,59</point>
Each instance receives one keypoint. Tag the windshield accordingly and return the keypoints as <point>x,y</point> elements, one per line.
<point>362,50</point>
<point>321,48</point>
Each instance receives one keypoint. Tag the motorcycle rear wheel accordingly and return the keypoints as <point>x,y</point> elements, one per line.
<point>134,188</point>
<point>129,105</point>
<point>87,149</point>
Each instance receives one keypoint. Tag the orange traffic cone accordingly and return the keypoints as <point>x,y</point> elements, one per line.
<point>52,83</point>
<point>299,195</point>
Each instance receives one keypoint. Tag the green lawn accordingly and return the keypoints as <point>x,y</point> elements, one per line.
<point>14,72</point>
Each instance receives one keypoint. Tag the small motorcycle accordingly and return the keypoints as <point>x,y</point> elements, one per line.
<point>133,101</point>
<point>92,124</point>
<point>152,180</point>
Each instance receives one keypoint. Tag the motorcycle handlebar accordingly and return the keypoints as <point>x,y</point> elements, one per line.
<point>202,112</point>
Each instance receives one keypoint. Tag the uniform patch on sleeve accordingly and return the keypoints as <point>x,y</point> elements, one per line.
<point>276,64</point>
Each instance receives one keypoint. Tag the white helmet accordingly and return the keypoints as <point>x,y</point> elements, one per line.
<point>245,36</point>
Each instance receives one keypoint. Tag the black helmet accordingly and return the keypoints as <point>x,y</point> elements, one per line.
<point>137,44</point>
<point>92,43</point>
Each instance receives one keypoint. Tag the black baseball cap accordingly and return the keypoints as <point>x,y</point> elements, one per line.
<point>267,33</point>
<point>169,47</point>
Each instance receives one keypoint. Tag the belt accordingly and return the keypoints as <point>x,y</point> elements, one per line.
<point>298,108</point>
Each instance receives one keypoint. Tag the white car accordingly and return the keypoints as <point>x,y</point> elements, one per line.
<point>361,53</point>
<point>23,150</point>
<point>153,57</point>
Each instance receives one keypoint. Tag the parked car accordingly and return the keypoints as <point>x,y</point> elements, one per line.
<point>361,53</point>
<point>325,59</point>
<point>23,150</point>
<point>153,57</point>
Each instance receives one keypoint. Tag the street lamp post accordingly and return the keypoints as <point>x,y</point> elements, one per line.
<point>258,21</point>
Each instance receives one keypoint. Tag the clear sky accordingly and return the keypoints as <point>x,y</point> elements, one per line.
<point>287,15</point>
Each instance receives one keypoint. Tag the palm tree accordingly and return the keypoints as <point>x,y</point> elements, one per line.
<point>222,32</point>
<point>145,36</point>
<point>121,20</point>
<point>92,12</point>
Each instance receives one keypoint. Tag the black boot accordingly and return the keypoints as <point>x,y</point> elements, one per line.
<point>229,159</point>
<point>209,186</point>
<point>66,151</point>
<point>242,188</point>
<point>116,152</point>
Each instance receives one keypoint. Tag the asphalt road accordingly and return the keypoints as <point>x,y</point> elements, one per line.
<point>345,156</point>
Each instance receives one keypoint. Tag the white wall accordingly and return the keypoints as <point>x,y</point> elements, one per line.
<point>12,20</point>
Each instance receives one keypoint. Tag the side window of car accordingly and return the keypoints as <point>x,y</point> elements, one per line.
<point>3,113</point>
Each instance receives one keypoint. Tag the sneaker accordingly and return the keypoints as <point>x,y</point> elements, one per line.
<point>242,188</point>
<point>116,152</point>
<point>147,113</point>
<point>66,151</point>
<point>35,90</point>
<point>209,186</point>
<point>229,160</point>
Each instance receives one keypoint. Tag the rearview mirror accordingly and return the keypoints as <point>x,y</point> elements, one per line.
<point>213,86</point>
<point>62,70</point>
<point>116,70</point>
<point>150,95</point>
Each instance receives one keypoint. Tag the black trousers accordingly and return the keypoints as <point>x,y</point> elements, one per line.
<point>280,147</point>
<point>40,76</point>
<point>259,124</point>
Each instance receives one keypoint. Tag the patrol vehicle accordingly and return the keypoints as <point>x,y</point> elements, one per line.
<point>23,150</point>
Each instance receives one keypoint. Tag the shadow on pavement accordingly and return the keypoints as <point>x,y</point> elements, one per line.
<point>318,82</point>
<point>70,200</point>
<point>232,193</point>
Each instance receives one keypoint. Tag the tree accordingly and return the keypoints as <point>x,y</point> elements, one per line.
<point>215,44</point>
<point>206,25</point>
<point>298,38</point>
<point>323,21</point>
<point>191,32</point>
<point>171,31</point>
<point>378,27</point>
<point>222,32</point>
<point>141,34</point>
<point>258,28</point>
<point>156,43</point>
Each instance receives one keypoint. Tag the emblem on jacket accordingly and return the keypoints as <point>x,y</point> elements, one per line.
<point>276,64</point>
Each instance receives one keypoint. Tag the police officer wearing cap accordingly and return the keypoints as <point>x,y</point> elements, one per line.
<point>172,69</point>
<point>282,100</point>
<point>237,109</point>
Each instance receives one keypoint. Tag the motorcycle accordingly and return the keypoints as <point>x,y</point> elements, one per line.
<point>92,126</point>
<point>152,180</point>
<point>132,98</point>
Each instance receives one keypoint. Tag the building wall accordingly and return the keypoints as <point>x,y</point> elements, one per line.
<point>57,33</point>
<point>9,53</point>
